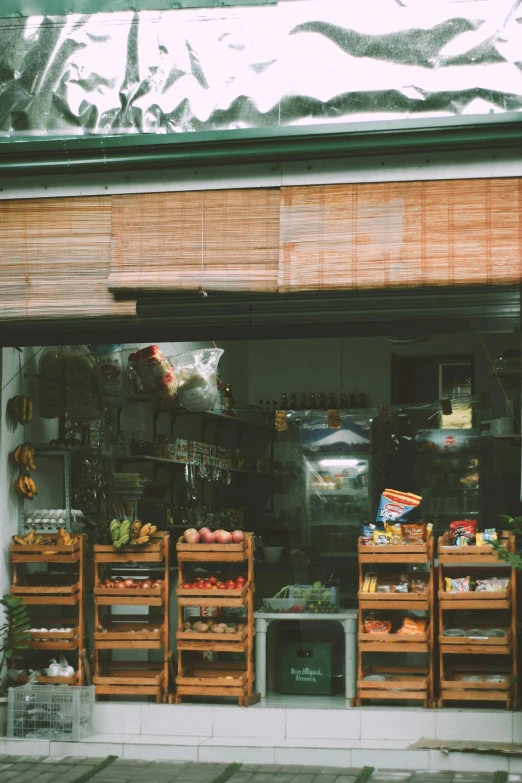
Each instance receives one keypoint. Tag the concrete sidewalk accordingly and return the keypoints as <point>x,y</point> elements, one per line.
<point>22,769</point>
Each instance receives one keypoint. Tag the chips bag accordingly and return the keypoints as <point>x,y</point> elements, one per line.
<point>395,506</point>
<point>463,532</point>
<point>412,625</point>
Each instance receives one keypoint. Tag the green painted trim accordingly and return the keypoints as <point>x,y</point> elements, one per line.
<point>227,773</point>
<point>92,771</point>
<point>364,775</point>
<point>25,8</point>
<point>59,154</point>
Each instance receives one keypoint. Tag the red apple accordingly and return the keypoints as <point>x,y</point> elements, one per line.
<point>238,536</point>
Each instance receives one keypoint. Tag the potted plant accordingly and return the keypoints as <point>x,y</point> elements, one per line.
<point>14,634</point>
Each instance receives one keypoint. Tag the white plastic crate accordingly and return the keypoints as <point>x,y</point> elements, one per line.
<point>309,594</point>
<point>53,712</point>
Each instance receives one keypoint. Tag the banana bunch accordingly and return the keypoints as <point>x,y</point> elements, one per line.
<point>23,456</point>
<point>20,409</point>
<point>25,487</point>
<point>120,532</point>
<point>33,539</point>
<point>65,538</point>
<point>141,534</point>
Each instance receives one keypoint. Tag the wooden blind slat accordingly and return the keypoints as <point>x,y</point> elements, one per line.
<point>55,259</point>
<point>383,235</point>
<point>217,240</point>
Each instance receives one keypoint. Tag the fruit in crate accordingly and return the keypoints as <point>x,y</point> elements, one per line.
<point>131,584</point>
<point>207,536</point>
<point>214,583</point>
<point>135,534</point>
<point>33,539</point>
<point>213,626</point>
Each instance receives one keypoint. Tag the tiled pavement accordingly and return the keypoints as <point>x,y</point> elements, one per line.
<point>36,769</point>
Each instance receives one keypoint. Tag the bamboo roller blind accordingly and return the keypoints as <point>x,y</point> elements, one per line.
<point>216,240</point>
<point>400,234</point>
<point>55,259</point>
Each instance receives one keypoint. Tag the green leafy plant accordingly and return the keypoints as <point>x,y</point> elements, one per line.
<point>14,633</point>
<point>514,560</point>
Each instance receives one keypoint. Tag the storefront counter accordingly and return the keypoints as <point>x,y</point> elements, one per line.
<point>348,620</point>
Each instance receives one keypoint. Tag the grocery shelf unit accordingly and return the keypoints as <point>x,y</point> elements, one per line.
<point>205,678</point>
<point>403,683</point>
<point>54,590</point>
<point>131,632</point>
<point>463,658</point>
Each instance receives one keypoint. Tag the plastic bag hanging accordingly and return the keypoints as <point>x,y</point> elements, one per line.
<point>197,375</point>
<point>157,375</point>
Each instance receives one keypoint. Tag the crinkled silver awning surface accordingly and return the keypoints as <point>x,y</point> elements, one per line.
<point>300,62</point>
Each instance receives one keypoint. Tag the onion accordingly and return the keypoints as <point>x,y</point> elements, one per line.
<point>129,582</point>
<point>192,538</point>
<point>238,536</point>
<point>208,537</point>
<point>188,533</point>
<point>222,537</point>
<point>146,584</point>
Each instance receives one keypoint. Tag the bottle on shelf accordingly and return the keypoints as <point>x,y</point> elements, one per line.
<point>218,405</point>
<point>311,401</point>
<point>363,402</point>
<point>228,400</point>
<point>332,402</point>
<point>303,403</point>
<point>352,400</point>
<point>293,401</point>
<point>343,402</point>
<point>284,402</point>
<point>322,401</point>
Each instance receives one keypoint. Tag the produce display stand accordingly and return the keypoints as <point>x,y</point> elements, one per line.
<point>214,678</point>
<point>477,678</point>
<point>131,632</point>
<point>64,589</point>
<point>395,683</point>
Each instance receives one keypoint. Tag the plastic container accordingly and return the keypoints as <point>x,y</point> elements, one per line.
<point>52,712</point>
<point>309,594</point>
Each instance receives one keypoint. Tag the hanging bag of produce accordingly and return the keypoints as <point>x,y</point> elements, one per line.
<point>197,375</point>
<point>157,375</point>
<point>82,396</point>
<point>110,371</point>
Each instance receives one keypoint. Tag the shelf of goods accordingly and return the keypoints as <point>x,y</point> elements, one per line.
<point>54,587</point>
<point>196,675</point>
<point>117,631</point>
<point>477,628</point>
<point>395,683</point>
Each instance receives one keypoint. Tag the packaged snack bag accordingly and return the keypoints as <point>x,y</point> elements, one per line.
<point>460,585</point>
<point>463,532</point>
<point>412,625</point>
<point>367,531</point>
<point>394,531</point>
<point>374,625</point>
<point>414,532</point>
<point>419,584</point>
<point>395,506</point>
<point>486,536</point>
<point>381,537</point>
<point>493,585</point>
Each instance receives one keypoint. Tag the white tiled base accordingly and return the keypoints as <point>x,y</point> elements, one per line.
<point>276,734</point>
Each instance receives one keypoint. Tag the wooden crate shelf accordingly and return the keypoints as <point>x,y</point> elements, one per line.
<point>498,654</point>
<point>217,678</point>
<point>51,593</point>
<point>131,632</point>
<point>401,683</point>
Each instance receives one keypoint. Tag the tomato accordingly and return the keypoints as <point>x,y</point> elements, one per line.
<point>200,584</point>
<point>221,585</point>
<point>240,581</point>
<point>214,587</point>
<point>230,585</point>
<point>208,585</point>
<point>187,586</point>
<point>213,580</point>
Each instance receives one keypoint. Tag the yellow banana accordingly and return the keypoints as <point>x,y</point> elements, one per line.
<point>18,540</point>
<point>135,529</point>
<point>152,530</point>
<point>145,530</point>
<point>142,540</point>
<point>29,414</point>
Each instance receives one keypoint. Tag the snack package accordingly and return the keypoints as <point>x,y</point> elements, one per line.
<point>381,537</point>
<point>414,532</point>
<point>429,529</point>
<point>463,532</point>
<point>197,376</point>
<point>419,584</point>
<point>394,531</point>
<point>412,625</point>
<point>486,536</point>
<point>494,584</point>
<point>460,585</point>
<point>375,625</point>
<point>367,531</point>
<point>395,506</point>
<point>366,584</point>
<point>373,584</point>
